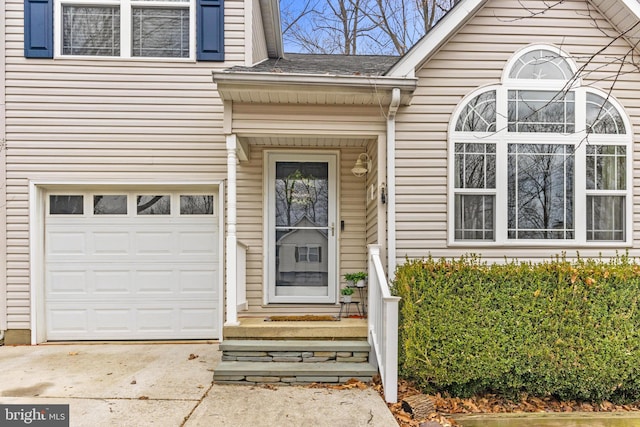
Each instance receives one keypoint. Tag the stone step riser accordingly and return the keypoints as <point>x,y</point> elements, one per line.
<point>296,356</point>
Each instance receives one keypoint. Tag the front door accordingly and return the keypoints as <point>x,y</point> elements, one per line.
<point>301,234</point>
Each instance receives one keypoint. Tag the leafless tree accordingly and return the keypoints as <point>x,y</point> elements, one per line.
<point>353,27</point>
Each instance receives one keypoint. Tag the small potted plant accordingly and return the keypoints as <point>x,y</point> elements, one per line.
<point>356,279</point>
<point>346,294</point>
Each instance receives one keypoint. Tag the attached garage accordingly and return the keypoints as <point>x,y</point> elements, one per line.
<point>131,265</point>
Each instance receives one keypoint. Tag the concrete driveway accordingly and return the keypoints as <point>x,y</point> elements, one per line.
<point>168,385</point>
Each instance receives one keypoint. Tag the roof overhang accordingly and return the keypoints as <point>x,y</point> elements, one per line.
<point>285,88</point>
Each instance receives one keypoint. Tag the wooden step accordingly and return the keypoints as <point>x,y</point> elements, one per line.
<point>258,328</point>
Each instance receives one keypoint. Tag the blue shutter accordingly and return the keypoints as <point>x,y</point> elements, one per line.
<point>210,30</point>
<point>38,28</point>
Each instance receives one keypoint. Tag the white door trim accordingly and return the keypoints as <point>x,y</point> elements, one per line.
<point>37,190</point>
<point>332,157</point>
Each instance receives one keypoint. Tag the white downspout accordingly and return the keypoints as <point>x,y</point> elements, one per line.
<point>231,239</point>
<point>391,182</point>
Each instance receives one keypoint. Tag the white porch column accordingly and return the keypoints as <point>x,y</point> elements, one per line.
<point>231,238</point>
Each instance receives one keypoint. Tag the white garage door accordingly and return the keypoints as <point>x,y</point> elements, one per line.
<point>131,265</point>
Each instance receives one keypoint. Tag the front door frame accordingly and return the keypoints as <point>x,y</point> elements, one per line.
<point>332,157</point>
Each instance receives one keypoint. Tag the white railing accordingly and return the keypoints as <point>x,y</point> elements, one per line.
<point>241,277</point>
<point>383,325</point>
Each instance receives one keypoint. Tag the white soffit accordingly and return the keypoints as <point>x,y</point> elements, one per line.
<point>265,88</point>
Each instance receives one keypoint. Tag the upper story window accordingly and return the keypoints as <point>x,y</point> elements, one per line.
<point>127,28</point>
<point>186,29</point>
<point>540,159</point>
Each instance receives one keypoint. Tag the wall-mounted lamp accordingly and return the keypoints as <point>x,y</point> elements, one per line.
<point>363,165</point>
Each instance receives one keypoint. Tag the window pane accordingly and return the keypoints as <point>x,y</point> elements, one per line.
<point>475,166</point>
<point>540,191</point>
<point>110,205</point>
<point>302,193</point>
<point>605,218</point>
<point>479,115</point>
<point>541,65</point>
<point>66,205</point>
<point>606,167</point>
<point>602,116</point>
<point>158,32</point>
<point>153,205</point>
<point>91,31</point>
<point>474,217</point>
<point>196,205</point>
<point>541,111</point>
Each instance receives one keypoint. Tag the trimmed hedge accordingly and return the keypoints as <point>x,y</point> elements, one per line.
<point>568,329</point>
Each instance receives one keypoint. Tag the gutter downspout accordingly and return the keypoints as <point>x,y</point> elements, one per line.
<point>391,182</point>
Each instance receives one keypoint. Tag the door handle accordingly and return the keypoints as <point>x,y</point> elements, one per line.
<point>333,228</point>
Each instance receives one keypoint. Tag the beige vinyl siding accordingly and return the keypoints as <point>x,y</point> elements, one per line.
<point>475,56</point>
<point>103,119</point>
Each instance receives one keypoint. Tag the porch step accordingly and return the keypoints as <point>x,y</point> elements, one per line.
<point>293,361</point>
<point>291,373</point>
<point>293,346</point>
<point>258,328</point>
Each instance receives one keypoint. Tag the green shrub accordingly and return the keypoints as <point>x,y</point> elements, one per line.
<point>569,329</point>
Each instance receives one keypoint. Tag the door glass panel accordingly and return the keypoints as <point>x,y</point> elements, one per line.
<point>302,228</point>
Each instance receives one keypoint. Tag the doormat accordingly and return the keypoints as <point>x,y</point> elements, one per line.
<point>302,318</point>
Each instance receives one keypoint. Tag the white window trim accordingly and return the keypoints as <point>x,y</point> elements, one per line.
<point>501,138</point>
<point>125,28</point>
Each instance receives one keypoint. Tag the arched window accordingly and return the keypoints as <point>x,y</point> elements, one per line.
<point>540,158</point>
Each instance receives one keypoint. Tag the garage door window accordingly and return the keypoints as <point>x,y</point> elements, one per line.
<point>66,205</point>
<point>153,205</point>
<point>110,205</point>
<point>196,205</point>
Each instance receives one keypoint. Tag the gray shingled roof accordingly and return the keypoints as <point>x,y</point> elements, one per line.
<point>345,65</point>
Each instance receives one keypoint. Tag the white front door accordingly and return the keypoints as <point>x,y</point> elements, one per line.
<point>301,235</point>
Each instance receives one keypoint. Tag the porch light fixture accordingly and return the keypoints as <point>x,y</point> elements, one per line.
<point>363,165</point>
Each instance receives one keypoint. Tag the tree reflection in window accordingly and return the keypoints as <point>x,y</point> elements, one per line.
<point>153,205</point>
<point>540,191</point>
<point>301,192</point>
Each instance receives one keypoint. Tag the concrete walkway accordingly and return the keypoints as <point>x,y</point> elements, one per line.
<point>168,385</point>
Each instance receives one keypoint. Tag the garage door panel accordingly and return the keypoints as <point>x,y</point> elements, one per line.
<point>67,282</point>
<point>65,243</point>
<point>141,320</point>
<point>131,276</point>
<point>110,282</point>
<point>111,243</point>
<point>199,281</point>
<point>193,242</point>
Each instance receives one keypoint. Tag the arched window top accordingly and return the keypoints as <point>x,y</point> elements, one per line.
<point>602,116</point>
<point>479,114</point>
<point>541,64</point>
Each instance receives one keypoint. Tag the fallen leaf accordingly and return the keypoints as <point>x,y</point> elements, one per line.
<point>193,356</point>
<point>143,398</point>
<point>134,382</point>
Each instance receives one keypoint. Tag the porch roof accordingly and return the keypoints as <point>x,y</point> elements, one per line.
<point>315,79</point>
